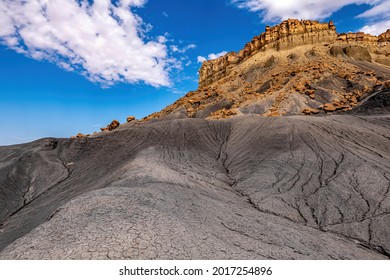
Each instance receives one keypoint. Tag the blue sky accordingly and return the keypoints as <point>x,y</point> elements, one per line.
<point>74,67</point>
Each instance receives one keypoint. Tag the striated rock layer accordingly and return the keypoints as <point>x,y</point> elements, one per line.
<point>289,34</point>
<point>297,67</point>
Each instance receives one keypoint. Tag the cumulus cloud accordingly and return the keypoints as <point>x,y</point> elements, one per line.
<point>103,40</point>
<point>378,16</point>
<point>376,28</point>
<point>272,10</point>
<point>211,56</point>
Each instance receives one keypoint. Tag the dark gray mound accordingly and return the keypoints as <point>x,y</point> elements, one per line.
<point>245,188</point>
<point>376,104</point>
<point>358,52</point>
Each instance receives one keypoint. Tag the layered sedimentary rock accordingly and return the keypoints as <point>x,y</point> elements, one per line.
<point>297,67</point>
<point>289,34</point>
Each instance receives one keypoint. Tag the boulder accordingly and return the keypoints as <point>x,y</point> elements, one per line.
<point>336,51</point>
<point>358,52</point>
<point>384,37</point>
<point>329,107</point>
<point>309,111</point>
<point>130,119</point>
<point>113,125</point>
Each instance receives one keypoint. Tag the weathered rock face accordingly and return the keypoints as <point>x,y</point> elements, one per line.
<point>289,34</point>
<point>359,53</point>
<point>384,37</point>
<point>130,119</point>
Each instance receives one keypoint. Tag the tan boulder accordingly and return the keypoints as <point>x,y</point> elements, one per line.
<point>113,125</point>
<point>309,111</point>
<point>384,37</point>
<point>130,119</point>
<point>299,86</point>
<point>329,107</point>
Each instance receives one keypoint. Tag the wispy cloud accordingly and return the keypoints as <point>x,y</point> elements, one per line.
<point>272,10</point>
<point>177,49</point>
<point>211,56</point>
<point>103,40</point>
<point>378,18</point>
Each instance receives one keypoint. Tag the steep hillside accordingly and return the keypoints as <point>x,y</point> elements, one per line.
<point>251,187</point>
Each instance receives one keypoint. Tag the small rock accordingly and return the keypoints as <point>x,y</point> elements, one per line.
<point>113,125</point>
<point>309,111</point>
<point>130,118</point>
<point>329,107</point>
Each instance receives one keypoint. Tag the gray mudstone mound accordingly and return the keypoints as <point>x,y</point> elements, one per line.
<point>244,188</point>
<point>358,52</point>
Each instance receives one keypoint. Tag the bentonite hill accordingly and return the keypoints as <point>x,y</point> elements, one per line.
<point>282,153</point>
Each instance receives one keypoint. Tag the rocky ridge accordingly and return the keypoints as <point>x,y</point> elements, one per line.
<point>297,67</point>
<point>289,34</point>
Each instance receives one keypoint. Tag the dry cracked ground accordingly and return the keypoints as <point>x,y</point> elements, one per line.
<point>249,187</point>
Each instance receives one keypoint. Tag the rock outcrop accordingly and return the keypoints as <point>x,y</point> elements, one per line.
<point>384,37</point>
<point>113,125</point>
<point>130,119</point>
<point>293,68</point>
<point>290,33</point>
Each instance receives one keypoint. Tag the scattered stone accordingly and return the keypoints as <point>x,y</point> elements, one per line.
<point>309,111</point>
<point>329,107</point>
<point>130,119</point>
<point>113,125</point>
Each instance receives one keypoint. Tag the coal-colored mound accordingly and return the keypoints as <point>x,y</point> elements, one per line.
<point>379,103</point>
<point>244,188</point>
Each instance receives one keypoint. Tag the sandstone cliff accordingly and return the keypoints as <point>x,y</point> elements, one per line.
<point>289,34</point>
<point>297,67</point>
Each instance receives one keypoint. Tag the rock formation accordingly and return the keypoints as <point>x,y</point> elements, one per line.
<point>290,33</point>
<point>293,68</point>
<point>130,119</point>
<point>113,125</point>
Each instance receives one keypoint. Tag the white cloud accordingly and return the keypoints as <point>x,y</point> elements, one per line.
<point>201,59</point>
<point>376,28</point>
<point>175,48</point>
<point>103,40</point>
<point>211,56</point>
<point>378,16</point>
<point>215,56</point>
<point>272,10</point>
